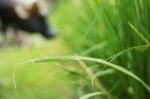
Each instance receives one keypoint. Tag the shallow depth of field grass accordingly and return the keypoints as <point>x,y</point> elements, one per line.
<point>103,53</point>
<point>113,30</point>
<point>35,81</point>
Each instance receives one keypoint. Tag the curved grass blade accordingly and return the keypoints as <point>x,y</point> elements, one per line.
<point>139,34</point>
<point>94,48</point>
<point>113,57</point>
<point>91,95</point>
<point>105,72</point>
<point>96,60</point>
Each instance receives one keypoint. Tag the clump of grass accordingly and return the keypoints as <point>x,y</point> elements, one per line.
<point>101,28</point>
<point>65,58</point>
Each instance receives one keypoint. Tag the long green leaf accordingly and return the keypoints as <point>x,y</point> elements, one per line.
<point>117,67</point>
<point>91,95</point>
<point>139,34</point>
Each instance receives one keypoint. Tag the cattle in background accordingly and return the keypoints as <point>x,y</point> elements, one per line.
<point>23,15</point>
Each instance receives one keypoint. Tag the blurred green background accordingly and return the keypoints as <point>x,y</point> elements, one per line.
<point>91,28</point>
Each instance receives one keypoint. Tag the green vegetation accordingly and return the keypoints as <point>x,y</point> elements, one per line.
<point>103,53</point>
<point>112,30</point>
<point>34,81</point>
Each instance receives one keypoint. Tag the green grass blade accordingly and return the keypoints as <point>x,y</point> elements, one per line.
<point>141,47</point>
<point>94,48</point>
<point>91,95</point>
<point>105,72</point>
<point>139,34</point>
<point>96,60</point>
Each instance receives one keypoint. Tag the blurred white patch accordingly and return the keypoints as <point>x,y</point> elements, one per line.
<point>23,6</point>
<point>43,7</point>
<point>26,2</point>
<point>21,12</point>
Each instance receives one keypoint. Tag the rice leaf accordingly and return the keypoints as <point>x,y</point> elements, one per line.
<point>91,95</point>
<point>139,34</point>
<point>96,60</point>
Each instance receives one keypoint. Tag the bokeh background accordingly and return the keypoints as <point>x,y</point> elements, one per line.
<point>116,31</point>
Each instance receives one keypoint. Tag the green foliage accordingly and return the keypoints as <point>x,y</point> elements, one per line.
<point>102,28</point>
<point>34,81</point>
<point>119,68</point>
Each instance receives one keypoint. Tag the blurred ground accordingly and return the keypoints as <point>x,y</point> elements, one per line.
<point>34,81</point>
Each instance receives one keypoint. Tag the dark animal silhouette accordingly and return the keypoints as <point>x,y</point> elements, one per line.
<point>23,15</point>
